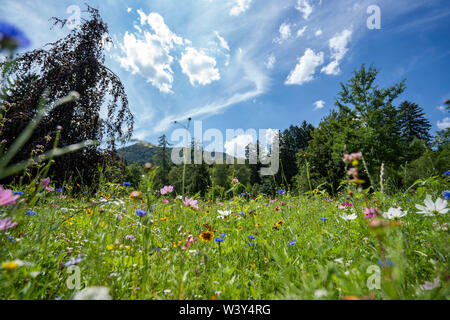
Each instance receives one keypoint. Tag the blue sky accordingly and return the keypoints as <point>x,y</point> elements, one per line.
<point>257,63</point>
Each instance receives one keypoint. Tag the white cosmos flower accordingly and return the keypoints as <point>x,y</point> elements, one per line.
<point>394,213</point>
<point>432,208</point>
<point>349,216</point>
<point>223,214</point>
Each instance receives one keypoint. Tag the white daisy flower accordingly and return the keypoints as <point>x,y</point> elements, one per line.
<point>432,208</point>
<point>394,213</point>
<point>349,216</point>
<point>223,214</point>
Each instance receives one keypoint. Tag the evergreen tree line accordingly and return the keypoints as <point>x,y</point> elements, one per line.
<point>395,142</point>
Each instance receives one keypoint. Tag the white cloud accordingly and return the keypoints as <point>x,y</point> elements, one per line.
<point>249,73</point>
<point>199,67</point>
<point>270,62</point>
<point>319,104</point>
<point>301,31</point>
<point>222,41</point>
<point>129,10</point>
<point>318,33</point>
<point>444,124</point>
<point>149,56</point>
<point>305,7</point>
<point>285,33</point>
<point>156,22</point>
<point>240,7</point>
<point>338,48</point>
<point>305,69</point>
<point>236,147</point>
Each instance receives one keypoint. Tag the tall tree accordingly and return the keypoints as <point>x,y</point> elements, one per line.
<point>162,160</point>
<point>74,63</point>
<point>292,140</point>
<point>413,122</point>
<point>369,122</point>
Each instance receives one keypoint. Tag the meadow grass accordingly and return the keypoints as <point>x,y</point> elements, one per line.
<point>287,247</point>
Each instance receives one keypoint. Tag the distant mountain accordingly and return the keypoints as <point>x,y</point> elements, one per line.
<point>145,152</point>
<point>139,152</point>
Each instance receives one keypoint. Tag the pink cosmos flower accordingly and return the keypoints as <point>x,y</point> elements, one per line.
<point>166,190</point>
<point>45,182</point>
<point>370,213</point>
<point>348,158</point>
<point>345,205</point>
<point>165,201</point>
<point>235,180</point>
<point>190,240</point>
<point>430,285</point>
<point>190,203</point>
<point>7,197</point>
<point>6,224</point>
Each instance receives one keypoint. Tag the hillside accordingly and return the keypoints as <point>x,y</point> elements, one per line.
<point>144,152</point>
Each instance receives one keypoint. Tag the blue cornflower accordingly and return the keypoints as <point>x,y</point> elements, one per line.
<point>59,190</point>
<point>243,194</point>
<point>127,184</point>
<point>31,213</point>
<point>250,243</point>
<point>447,173</point>
<point>223,235</point>
<point>141,213</point>
<point>292,242</point>
<point>18,193</point>
<point>281,191</point>
<point>218,240</point>
<point>388,263</point>
<point>11,37</point>
<point>446,194</point>
<point>251,237</point>
<point>323,219</point>
<point>11,239</point>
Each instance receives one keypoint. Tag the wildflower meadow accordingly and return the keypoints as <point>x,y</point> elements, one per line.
<point>354,207</point>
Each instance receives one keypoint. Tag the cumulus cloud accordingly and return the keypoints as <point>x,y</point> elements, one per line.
<point>270,62</point>
<point>285,33</point>
<point>318,33</point>
<point>306,68</point>
<point>222,41</point>
<point>444,124</point>
<point>148,54</point>
<point>319,105</point>
<point>199,67</point>
<point>148,57</point>
<point>305,7</point>
<point>240,7</point>
<point>338,48</point>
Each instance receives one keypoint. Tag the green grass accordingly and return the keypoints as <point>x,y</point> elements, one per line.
<point>329,260</point>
